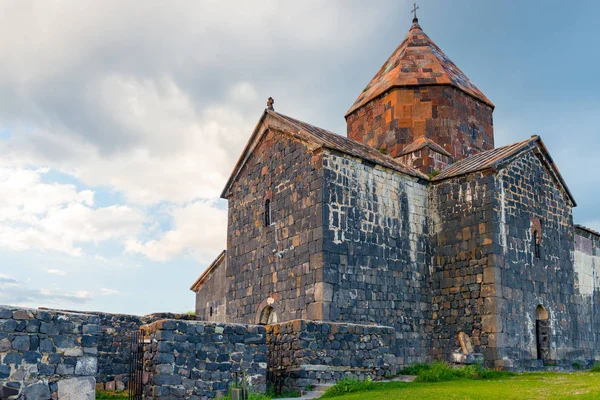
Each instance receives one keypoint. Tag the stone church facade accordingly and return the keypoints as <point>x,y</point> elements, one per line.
<point>414,221</point>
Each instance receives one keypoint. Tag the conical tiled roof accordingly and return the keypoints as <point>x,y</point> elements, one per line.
<point>417,61</point>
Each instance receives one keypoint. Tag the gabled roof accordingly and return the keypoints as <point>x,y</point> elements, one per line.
<point>214,265</point>
<point>318,137</point>
<point>417,61</point>
<point>496,158</point>
<point>421,142</point>
<point>586,229</point>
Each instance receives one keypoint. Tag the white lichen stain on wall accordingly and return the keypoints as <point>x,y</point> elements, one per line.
<point>586,268</point>
<point>531,342</point>
<point>389,188</point>
<point>502,227</point>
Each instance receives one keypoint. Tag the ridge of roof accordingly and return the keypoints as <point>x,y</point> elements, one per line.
<point>493,159</point>
<point>421,142</point>
<point>417,61</point>
<point>349,146</point>
<point>319,137</point>
<point>217,261</point>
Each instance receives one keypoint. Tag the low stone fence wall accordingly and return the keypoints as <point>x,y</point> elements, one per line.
<point>114,347</point>
<point>197,360</point>
<point>47,354</point>
<point>303,353</point>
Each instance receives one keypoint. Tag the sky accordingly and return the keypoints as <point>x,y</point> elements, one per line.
<point>120,122</point>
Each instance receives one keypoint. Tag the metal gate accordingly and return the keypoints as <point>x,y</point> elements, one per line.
<point>136,365</point>
<point>275,370</point>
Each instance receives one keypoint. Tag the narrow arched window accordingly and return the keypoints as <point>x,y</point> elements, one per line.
<point>211,311</point>
<point>536,244</point>
<point>267,212</point>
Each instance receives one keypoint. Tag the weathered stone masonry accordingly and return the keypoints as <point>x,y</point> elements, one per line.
<point>211,304</point>
<point>197,360</point>
<point>587,285</point>
<point>282,260</point>
<point>114,349</point>
<point>525,193</point>
<point>376,251</point>
<point>48,354</point>
<point>462,241</point>
<point>304,353</point>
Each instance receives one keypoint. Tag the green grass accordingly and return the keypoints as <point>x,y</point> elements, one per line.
<point>441,372</point>
<point>528,386</point>
<point>348,385</point>
<point>596,367</point>
<point>104,394</point>
<point>251,396</point>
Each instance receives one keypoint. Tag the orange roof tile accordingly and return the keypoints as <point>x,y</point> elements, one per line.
<point>417,61</point>
<point>500,156</point>
<point>483,160</point>
<point>421,142</point>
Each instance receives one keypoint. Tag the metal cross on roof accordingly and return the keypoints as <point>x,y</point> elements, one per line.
<point>414,10</point>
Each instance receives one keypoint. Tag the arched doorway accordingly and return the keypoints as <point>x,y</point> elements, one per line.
<point>267,312</point>
<point>542,333</point>
<point>268,316</point>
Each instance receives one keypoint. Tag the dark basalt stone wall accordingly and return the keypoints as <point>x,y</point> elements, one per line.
<point>211,304</point>
<point>46,353</point>
<point>197,360</point>
<point>526,193</point>
<point>587,284</point>
<point>113,343</point>
<point>376,251</point>
<point>304,353</point>
<point>463,264</point>
<point>280,262</point>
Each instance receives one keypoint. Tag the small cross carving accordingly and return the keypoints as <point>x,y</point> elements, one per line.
<point>270,103</point>
<point>414,10</point>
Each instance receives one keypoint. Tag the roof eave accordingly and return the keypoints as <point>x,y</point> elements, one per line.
<point>357,105</point>
<point>217,261</point>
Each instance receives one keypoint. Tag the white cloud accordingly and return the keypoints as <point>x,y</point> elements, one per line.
<point>14,291</point>
<point>56,272</point>
<point>144,102</point>
<point>108,292</point>
<point>199,230</point>
<point>153,100</point>
<point>37,215</point>
<point>25,196</point>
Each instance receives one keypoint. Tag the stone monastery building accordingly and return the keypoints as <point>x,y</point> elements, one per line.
<point>414,221</point>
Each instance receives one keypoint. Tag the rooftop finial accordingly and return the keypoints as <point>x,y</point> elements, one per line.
<point>270,103</point>
<point>414,11</point>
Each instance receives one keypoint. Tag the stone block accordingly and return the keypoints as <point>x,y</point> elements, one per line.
<point>323,291</point>
<point>490,323</point>
<point>5,345</point>
<point>81,388</point>
<point>37,391</point>
<point>21,343</point>
<point>87,366</point>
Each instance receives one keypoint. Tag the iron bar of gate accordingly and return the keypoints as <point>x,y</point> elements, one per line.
<point>136,365</point>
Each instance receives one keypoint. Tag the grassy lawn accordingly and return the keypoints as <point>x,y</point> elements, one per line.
<point>529,386</point>
<point>103,394</point>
